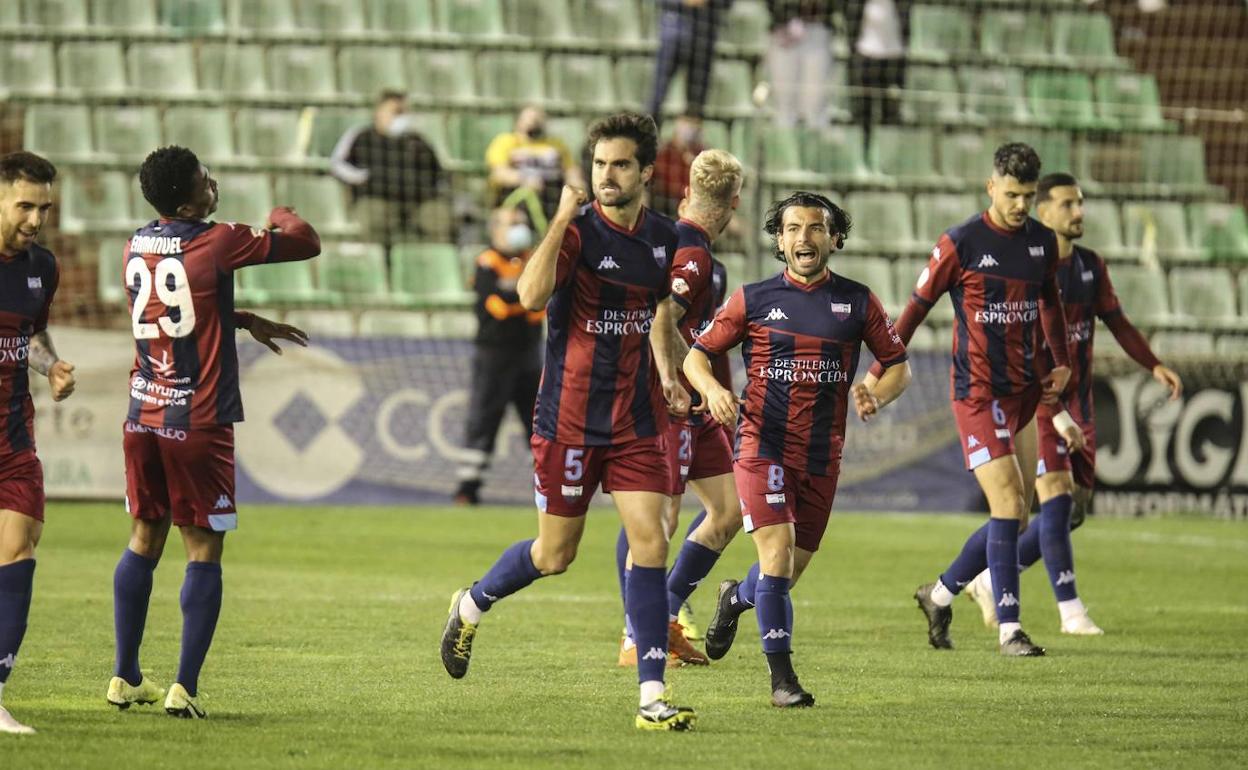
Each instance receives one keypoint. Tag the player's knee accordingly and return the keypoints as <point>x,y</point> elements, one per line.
<point>554,561</point>
<point>718,530</point>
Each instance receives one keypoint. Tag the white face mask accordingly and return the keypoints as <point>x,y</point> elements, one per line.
<point>519,237</point>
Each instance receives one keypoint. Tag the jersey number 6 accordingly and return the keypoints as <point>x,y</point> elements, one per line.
<point>179,296</point>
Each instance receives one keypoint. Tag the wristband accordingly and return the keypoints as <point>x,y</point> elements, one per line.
<point>1062,420</point>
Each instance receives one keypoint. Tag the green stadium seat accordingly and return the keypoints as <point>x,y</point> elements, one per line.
<point>268,17</point>
<point>92,68</point>
<point>875,272</point>
<point>546,22</point>
<point>931,96</point>
<point>127,133</point>
<point>925,339</point>
<point>838,152</point>
<point>1231,346</point>
<point>124,16</point>
<point>10,16</point>
<point>732,84</point>
<point>282,283</point>
<point>1204,297</point>
<point>1014,37</point>
<point>739,268</point>
<point>207,131</point>
<point>355,272</point>
<point>1102,229</point>
<point>320,200</point>
<point>234,69</point>
<point>514,77</point>
<point>96,201</point>
<point>1220,230</point>
<point>633,78</point>
<point>393,323</point>
<point>746,28</point>
<point>906,155</point>
<point>162,67</point>
<point>883,224</point>
<point>55,14</point>
<point>993,96</point>
<point>427,274</point>
<point>581,82</point>
<point>472,19</point>
<point>244,198</point>
<point>330,124</point>
<point>442,76</point>
<point>611,24</point>
<point>364,71</point>
<point>1084,40</point>
<point>193,17</point>
<point>1175,163</point>
<point>570,131</point>
<point>453,324</point>
<point>402,17</point>
<point>939,33</point>
<point>60,131</point>
<point>907,272</point>
<point>1161,223</point>
<point>337,18</point>
<point>303,70</point>
<point>1129,100</point>
<point>109,267</point>
<point>1177,344</point>
<point>966,156</point>
<point>1062,99</point>
<point>471,133</point>
<point>323,323</point>
<point>783,157</point>
<point>1142,291</point>
<point>28,68</point>
<point>934,213</point>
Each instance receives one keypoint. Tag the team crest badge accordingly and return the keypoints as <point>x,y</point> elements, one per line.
<point>660,255</point>
<point>841,310</point>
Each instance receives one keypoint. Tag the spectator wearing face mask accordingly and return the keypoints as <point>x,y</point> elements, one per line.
<point>507,364</point>
<point>528,158</point>
<point>671,165</point>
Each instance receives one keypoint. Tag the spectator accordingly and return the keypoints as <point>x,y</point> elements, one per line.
<point>528,158</point>
<point>878,31</point>
<point>507,365</point>
<point>671,166</point>
<point>687,32</point>
<point>398,187</point>
<point>799,60</point>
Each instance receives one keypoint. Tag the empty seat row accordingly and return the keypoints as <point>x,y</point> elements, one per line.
<point>944,32</point>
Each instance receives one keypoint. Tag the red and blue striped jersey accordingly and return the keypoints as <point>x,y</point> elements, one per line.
<point>599,384</point>
<point>800,344</point>
<point>179,280</point>
<point>28,281</point>
<point>699,283</point>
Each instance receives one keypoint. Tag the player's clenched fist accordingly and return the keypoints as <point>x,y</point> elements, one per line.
<point>722,405</point>
<point>864,401</point>
<point>61,380</point>
<point>1054,384</point>
<point>571,199</point>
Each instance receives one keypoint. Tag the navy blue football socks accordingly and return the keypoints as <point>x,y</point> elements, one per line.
<point>621,562</point>
<point>201,605</point>
<point>970,562</point>
<point>693,564</point>
<point>16,585</point>
<point>1003,566</point>
<point>1029,543</point>
<point>513,571</point>
<point>746,589</point>
<point>1054,536</point>
<point>132,591</point>
<point>774,610</point>
<point>646,605</point>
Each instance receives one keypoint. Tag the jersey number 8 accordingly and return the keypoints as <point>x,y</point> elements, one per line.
<point>179,296</point>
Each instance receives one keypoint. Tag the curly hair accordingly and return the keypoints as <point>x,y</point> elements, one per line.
<point>167,178</point>
<point>27,166</point>
<point>839,219</point>
<point>628,125</point>
<point>1017,160</point>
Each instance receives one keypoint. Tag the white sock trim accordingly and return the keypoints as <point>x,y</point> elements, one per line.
<point>651,690</point>
<point>1007,630</point>
<point>469,612</point>
<point>941,595</point>
<point>1071,608</point>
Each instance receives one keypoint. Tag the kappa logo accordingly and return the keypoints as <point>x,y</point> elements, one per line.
<point>987,260</point>
<point>488,596</point>
<point>222,502</point>
<point>654,653</point>
<point>8,660</point>
<point>163,367</point>
<point>1065,577</point>
<point>34,281</point>
<point>1008,600</point>
<point>776,314</point>
<point>608,263</point>
<point>776,633</point>
<point>971,441</point>
<point>1035,251</point>
<point>691,268</point>
<point>936,253</point>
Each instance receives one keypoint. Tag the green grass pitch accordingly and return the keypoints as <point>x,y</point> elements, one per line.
<point>326,654</point>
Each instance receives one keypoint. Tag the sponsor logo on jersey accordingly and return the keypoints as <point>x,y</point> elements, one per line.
<point>223,502</point>
<point>680,286</point>
<point>608,263</point>
<point>1009,312</point>
<point>1036,251</point>
<point>654,653</point>
<point>569,491</point>
<point>819,370</point>
<point>776,314</point>
<point>841,310</point>
<point>987,260</point>
<point>1065,577</point>
<point>776,633</point>
<point>1008,600</point>
<point>34,281</point>
<point>621,322</point>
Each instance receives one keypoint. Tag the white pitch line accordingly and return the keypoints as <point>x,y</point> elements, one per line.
<point>1156,538</point>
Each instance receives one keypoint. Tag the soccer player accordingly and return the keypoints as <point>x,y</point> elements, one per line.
<point>801,334</point>
<point>600,272</point>
<point>1066,471</point>
<point>699,449</point>
<point>1000,269</point>
<point>28,281</point>
<point>184,400</point>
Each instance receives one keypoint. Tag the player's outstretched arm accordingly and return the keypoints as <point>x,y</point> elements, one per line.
<point>537,282</point>
<point>266,332</point>
<point>669,350</point>
<point>717,399</point>
<point>870,398</point>
<point>296,238</point>
<point>43,359</point>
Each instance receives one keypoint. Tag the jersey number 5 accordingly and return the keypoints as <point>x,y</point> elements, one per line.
<point>179,296</point>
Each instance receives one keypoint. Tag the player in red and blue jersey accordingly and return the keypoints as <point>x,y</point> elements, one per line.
<point>28,282</point>
<point>699,451</point>
<point>178,271</point>
<point>801,333</point>
<point>1066,431</point>
<point>600,272</point>
<point>1000,270</point>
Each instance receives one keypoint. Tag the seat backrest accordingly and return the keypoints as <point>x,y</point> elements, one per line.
<point>302,69</point>
<point>233,68</point>
<point>1206,294</point>
<point>58,130</point>
<point>126,131</point>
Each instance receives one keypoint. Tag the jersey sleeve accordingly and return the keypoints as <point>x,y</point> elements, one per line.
<point>942,271</point>
<point>238,245</point>
<point>54,280</point>
<point>691,275</point>
<point>569,253</point>
<point>728,328</point>
<point>1106,302</point>
<point>881,338</point>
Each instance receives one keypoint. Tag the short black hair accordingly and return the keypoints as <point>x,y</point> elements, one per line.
<point>390,94</point>
<point>1017,160</point>
<point>167,178</point>
<point>629,125</point>
<point>1049,181</point>
<point>26,165</point>
<point>840,221</point>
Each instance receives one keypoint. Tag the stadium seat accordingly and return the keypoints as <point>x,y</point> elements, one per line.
<point>303,70</point>
<point>1204,297</point>
<point>28,68</point>
<point>1221,231</point>
<point>581,82</point>
<point>634,76</point>
<point>92,68</point>
<point>471,133</point>
<point>783,157</point>
<point>1055,148</point>
<point>245,198</point>
<point>55,14</point>
<point>1175,163</point>
<point>738,266</point>
<point>934,213</point>
<point>907,272</point>
<point>193,17</point>
<point>453,324</point>
<point>127,133</point>
<point>124,16</point>
<point>401,17</point>
<point>60,131</point>
<point>905,155</point>
<point>207,131</point>
<point>330,124</point>
<point>318,199</point>
<point>354,272</point>
<point>746,27</point>
<point>993,96</point>
<point>393,323</point>
<point>10,16</point>
<point>570,131</point>
<point>546,22</point>
<point>323,323</point>
<point>838,152</point>
<point>939,32</point>
<point>1014,37</point>
<point>472,19</point>
<point>1163,225</point>
<point>109,267</point>
<point>1102,229</point>
<point>1231,346</point>
<point>333,18</point>
<point>1129,100</point>
<point>1142,291</point>
<point>1062,99</point>
<point>966,156</point>
<point>442,76</point>
<point>96,202</point>
<point>732,83</point>
<point>162,68</point>
<point>883,224</point>
<point>235,70</point>
<point>1175,344</point>
<point>931,96</point>
<point>875,272</point>
<point>271,18</point>
<point>428,275</point>
<point>926,339</point>
<point>364,71</point>
<point>282,283</point>
<point>511,77</point>
<point>1084,40</point>
<point>611,24</point>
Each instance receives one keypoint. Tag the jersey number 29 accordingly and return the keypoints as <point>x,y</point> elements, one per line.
<point>179,296</point>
